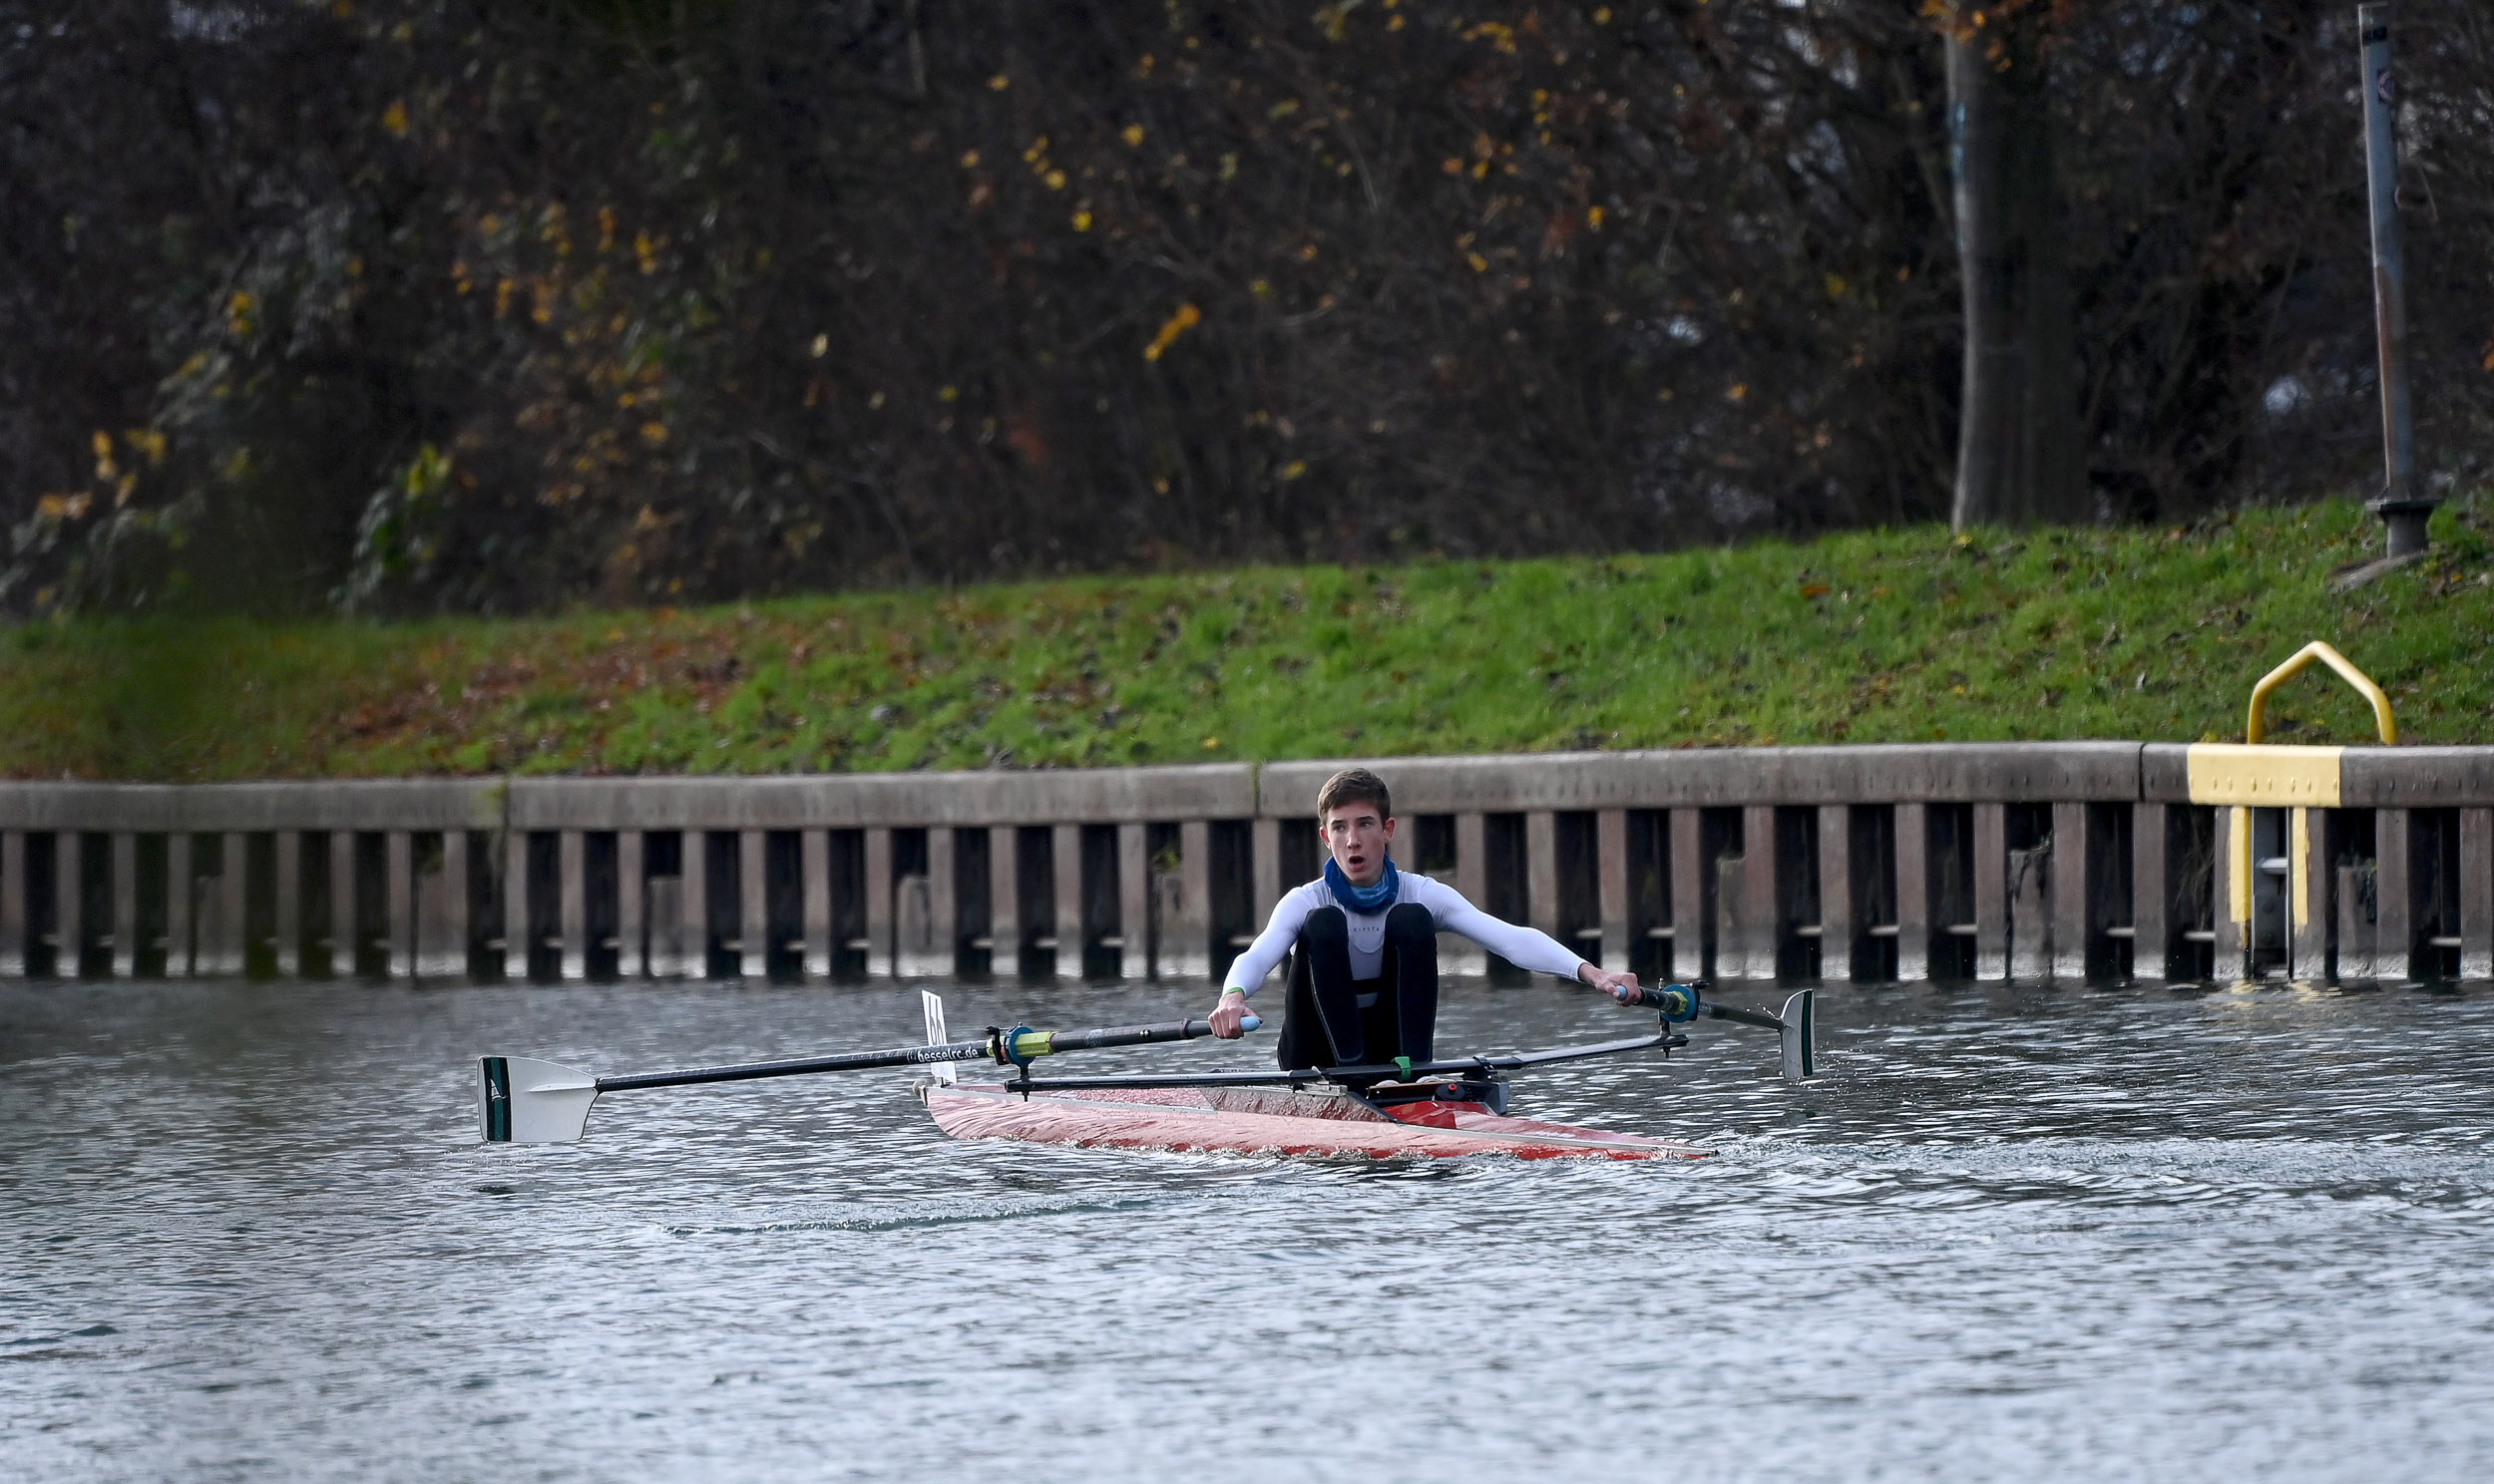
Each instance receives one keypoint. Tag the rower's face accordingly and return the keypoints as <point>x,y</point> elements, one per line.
<point>1355,836</point>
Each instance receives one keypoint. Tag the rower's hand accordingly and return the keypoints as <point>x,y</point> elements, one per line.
<point>1619,986</point>
<point>1229,1019</point>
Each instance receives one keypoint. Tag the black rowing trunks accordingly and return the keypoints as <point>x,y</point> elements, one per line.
<point>1330,1019</point>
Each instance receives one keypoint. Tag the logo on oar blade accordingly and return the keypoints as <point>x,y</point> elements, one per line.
<point>497,1100</point>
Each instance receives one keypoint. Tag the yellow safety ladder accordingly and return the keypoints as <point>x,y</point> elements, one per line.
<point>2273,896</point>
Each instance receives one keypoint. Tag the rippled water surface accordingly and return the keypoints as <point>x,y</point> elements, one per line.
<point>2154,1233</point>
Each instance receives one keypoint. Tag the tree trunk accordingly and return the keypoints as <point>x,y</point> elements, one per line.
<point>2018,447</point>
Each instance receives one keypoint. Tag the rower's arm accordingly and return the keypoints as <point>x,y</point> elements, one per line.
<point>1526,947</point>
<point>1271,946</point>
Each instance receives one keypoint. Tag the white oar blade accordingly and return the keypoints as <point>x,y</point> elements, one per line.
<point>933,1005</point>
<point>1800,1036</point>
<point>520,1100</point>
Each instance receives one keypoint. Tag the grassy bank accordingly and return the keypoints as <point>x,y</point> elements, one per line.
<point>1901,635</point>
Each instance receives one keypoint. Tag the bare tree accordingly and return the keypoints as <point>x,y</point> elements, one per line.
<point>2018,445</point>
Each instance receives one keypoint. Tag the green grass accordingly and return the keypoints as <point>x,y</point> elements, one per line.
<point>1908,635</point>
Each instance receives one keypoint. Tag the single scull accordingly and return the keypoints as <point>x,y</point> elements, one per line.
<point>1437,1110</point>
<point>1401,1110</point>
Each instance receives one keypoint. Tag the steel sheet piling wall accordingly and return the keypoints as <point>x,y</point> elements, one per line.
<point>2048,857</point>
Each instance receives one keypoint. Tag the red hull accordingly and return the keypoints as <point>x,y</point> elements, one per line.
<point>1275,1121</point>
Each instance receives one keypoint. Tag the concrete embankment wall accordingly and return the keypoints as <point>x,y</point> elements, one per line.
<point>1875,863</point>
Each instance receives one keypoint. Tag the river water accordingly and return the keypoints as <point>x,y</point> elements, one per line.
<point>246,1231</point>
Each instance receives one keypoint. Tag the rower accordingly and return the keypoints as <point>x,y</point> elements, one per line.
<point>1362,939</point>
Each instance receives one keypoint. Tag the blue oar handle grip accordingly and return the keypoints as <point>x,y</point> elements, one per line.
<point>1251,1022</point>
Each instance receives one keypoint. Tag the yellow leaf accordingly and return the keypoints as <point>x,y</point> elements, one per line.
<point>1294,469</point>
<point>1740,390</point>
<point>1082,222</point>
<point>969,160</point>
<point>1186,318</point>
<point>653,433</point>
<point>394,118</point>
<point>999,83</point>
<point>1056,180</point>
<point>1132,133</point>
<point>1593,219</point>
<point>1479,263</point>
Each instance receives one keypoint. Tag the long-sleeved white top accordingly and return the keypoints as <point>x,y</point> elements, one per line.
<point>1526,947</point>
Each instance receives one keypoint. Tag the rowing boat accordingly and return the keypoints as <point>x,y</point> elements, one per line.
<point>1402,1109</point>
<point>1439,1122</point>
<point>1439,1110</point>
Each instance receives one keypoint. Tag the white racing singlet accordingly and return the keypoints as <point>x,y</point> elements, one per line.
<point>1526,947</point>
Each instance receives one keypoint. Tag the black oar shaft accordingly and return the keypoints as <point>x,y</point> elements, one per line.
<point>853,1061</point>
<point>1131,1035</point>
<point>1351,1076</point>
<point>1023,1046</point>
<point>1758,1019</point>
<point>1674,1001</point>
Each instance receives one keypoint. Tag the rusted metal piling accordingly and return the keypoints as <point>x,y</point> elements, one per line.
<point>2066,861</point>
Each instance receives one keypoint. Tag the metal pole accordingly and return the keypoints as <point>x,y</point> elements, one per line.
<point>2400,507</point>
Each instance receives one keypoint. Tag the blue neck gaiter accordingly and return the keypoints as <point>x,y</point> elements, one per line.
<point>1365,901</point>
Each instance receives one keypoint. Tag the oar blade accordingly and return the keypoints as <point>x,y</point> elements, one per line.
<point>520,1100</point>
<point>932,1004</point>
<point>1800,1036</point>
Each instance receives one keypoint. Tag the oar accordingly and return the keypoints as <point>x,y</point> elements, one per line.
<point>1797,1027</point>
<point>522,1100</point>
<point>1354,1077</point>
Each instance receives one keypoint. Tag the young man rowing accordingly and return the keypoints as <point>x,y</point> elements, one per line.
<point>1363,985</point>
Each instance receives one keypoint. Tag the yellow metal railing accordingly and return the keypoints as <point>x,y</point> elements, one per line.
<point>2254,727</point>
<point>2252,774</point>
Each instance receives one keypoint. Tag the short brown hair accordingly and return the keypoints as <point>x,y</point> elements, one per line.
<point>1354,785</point>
